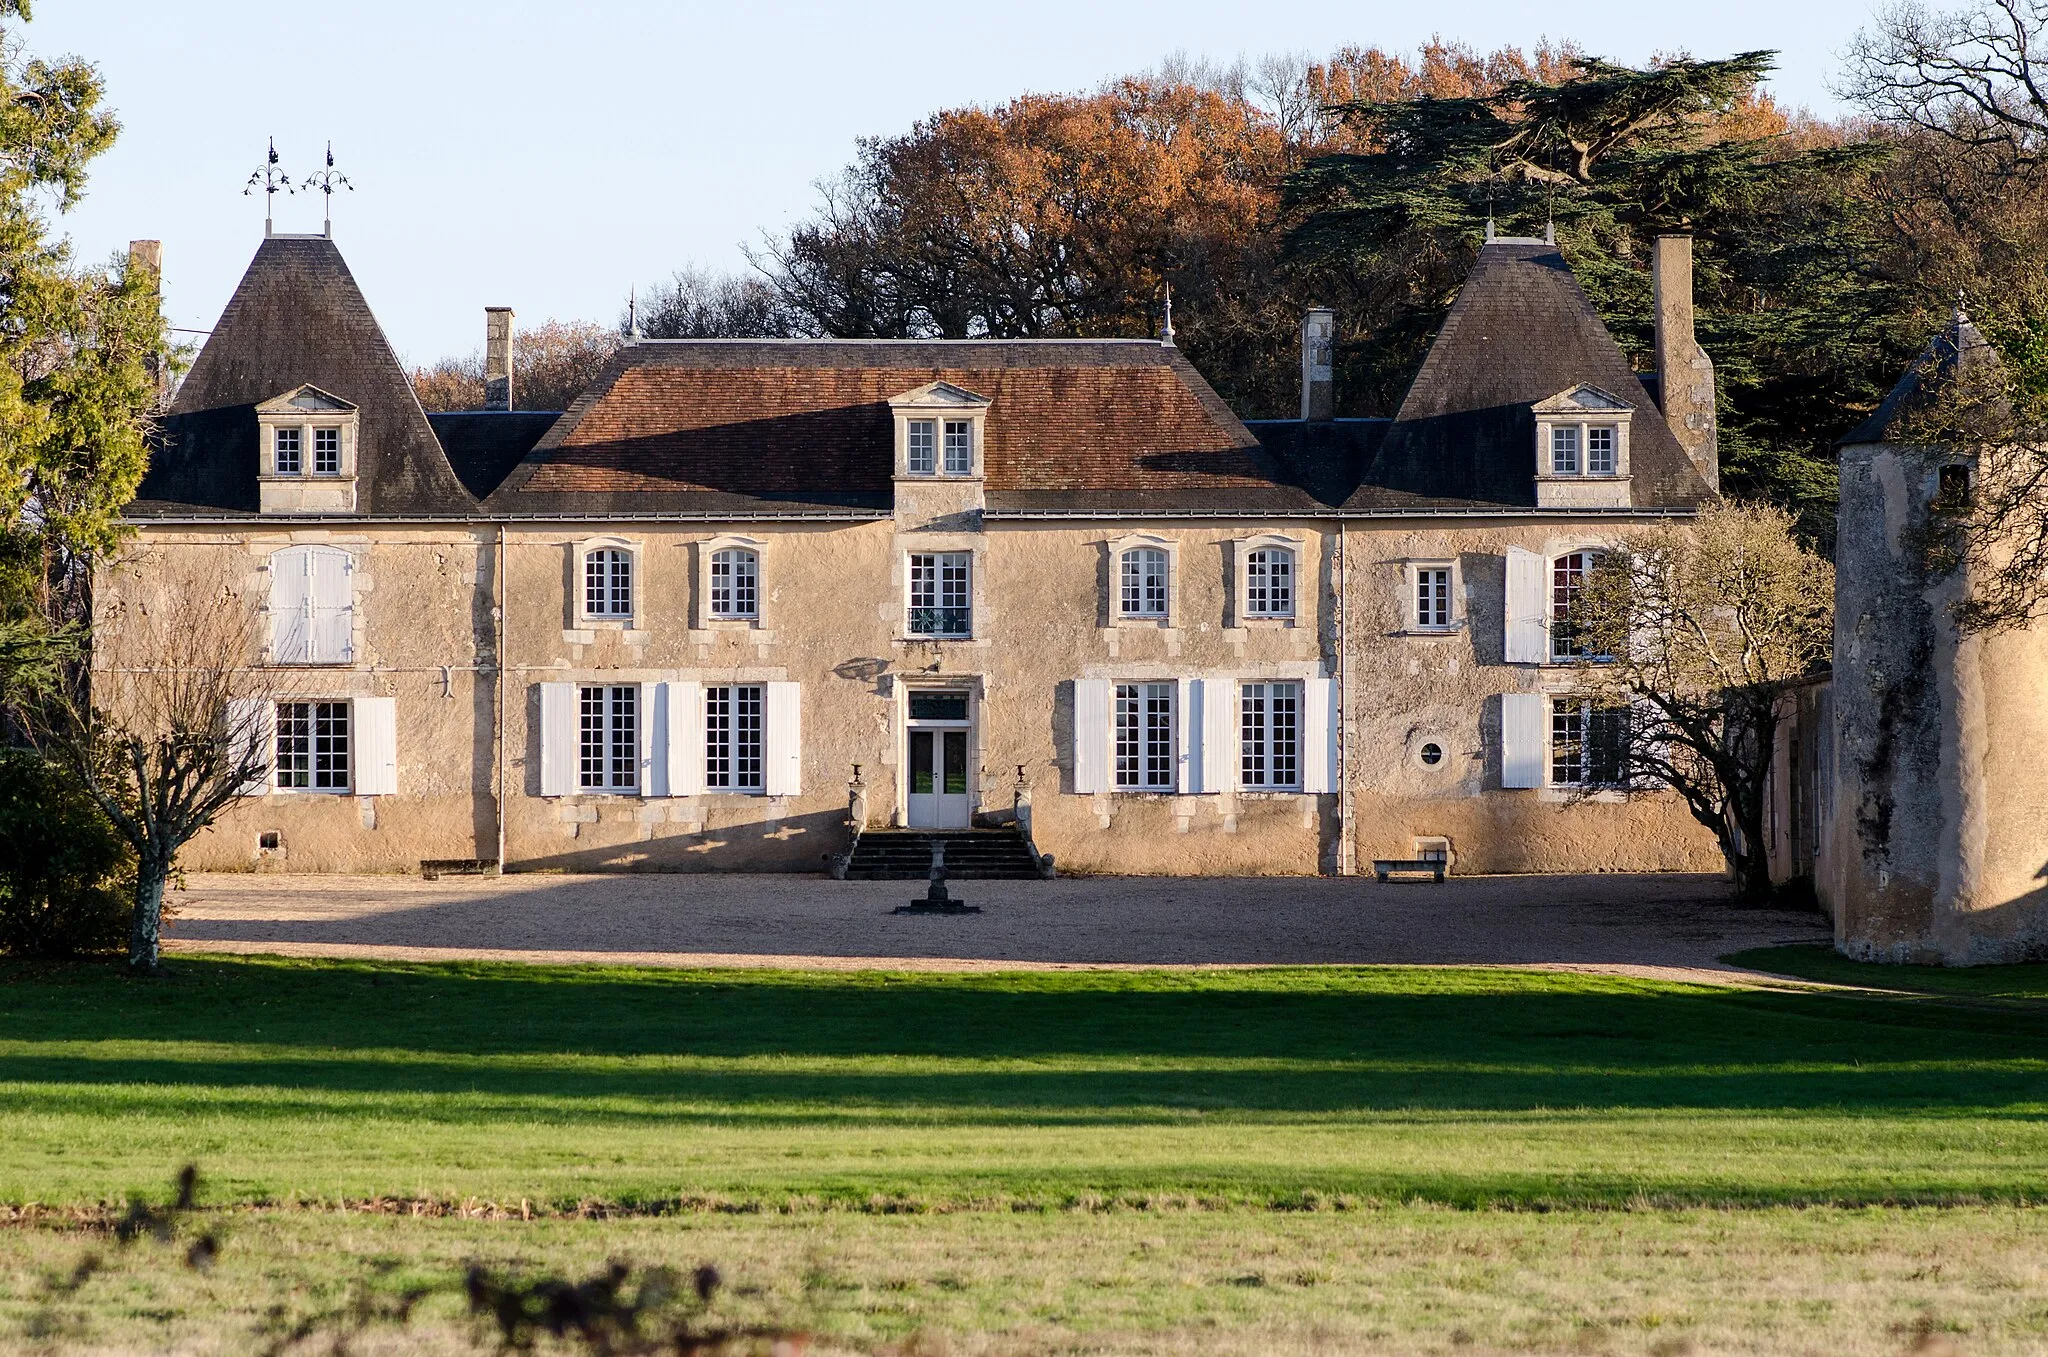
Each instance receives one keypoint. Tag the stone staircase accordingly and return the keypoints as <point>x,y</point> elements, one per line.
<point>971,855</point>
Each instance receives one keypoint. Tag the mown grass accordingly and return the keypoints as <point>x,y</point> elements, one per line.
<point>323,1081</point>
<point>1826,964</point>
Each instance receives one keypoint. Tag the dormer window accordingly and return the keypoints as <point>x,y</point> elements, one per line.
<point>939,432</point>
<point>1582,437</point>
<point>308,453</point>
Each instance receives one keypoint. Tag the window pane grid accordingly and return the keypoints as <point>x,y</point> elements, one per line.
<point>1433,598</point>
<point>940,594</point>
<point>922,452</point>
<point>312,746</point>
<point>1564,451</point>
<point>1144,736</point>
<point>1588,743</point>
<point>1270,735</point>
<point>287,452</point>
<point>1269,583</point>
<point>959,447</point>
<point>327,452</point>
<point>1600,451</point>
<point>1567,576</point>
<point>608,583</point>
<point>610,738</point>
<point>733,731</point>
<point>1143,583</point>
<point>735,584</point>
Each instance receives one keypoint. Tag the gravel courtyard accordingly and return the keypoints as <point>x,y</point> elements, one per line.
<point>1631,924</point>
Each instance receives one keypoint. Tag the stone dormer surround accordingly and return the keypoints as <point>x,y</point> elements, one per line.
<point>1583,408</point>
<point>302,484</point>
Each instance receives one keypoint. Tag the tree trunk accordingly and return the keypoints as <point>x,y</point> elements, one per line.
<point>1753,867</point>
<point>145,932</point>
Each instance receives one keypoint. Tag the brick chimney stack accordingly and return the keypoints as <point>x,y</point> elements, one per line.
<point>497,358</point>
<point>1685,375</point>
<point>1318,360</point>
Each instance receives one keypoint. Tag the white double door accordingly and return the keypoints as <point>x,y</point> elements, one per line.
<point>938,744</point>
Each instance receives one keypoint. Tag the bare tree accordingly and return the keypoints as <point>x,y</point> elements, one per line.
<point>1971,74</point>
<point>171,734</point>
<point>1690,633</point>
<point>696,303</point>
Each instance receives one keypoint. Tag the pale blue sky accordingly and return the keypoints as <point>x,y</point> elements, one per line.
<point>547,156</point>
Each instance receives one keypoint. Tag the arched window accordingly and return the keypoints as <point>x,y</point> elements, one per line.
<point>1269,583</point>
<point>1567,576</point>
<point>608,582</point>
<point>1143,590</point>
<point>735,583</point>
<point>312,606</point>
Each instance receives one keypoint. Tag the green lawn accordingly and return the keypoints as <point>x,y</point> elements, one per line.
<point>295,1081</point>
<point>1825,963</point>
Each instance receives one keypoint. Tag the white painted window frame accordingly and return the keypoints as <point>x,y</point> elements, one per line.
<point>973,559</point>
<point>1242,615</point>
<point>1143,541</point>
<point>635,582</point>
<point>1454,614</point>
<point>707,553</point>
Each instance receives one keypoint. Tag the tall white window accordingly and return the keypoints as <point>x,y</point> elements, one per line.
<point>1144,736</point>
<point>1564,450</point>
<point>287,452</point>
<point>312,606</point>
<point>1588,743</point>
<point>608,582</point>
<point>959,447</point>
<point>923,452</point>
<point>327,452</point>
<point>941,594</point>
<point>1143,589</point>
<point>1567,577</point>
<point>1433,596</point>
<point>1269,736</point>
<point>312,746</point>
<point>1269,583</point>
<point>735,583</point>
<point>732,737</point>
<point>1600,450</point>
<point>609,743</point>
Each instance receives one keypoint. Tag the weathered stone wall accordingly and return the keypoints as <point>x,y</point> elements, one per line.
<point>832,619</point>
<point>1939,837</point>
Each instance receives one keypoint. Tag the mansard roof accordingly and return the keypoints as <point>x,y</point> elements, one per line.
<point>1520,333</point>
<point>1959,348</point>
<point>296,320</point>
<point>766,426</point>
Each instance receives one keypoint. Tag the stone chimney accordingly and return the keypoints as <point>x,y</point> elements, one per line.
<point>1685,375</point>
<point>146,257</point>
<point>1318,357</point>
<point>497,358</point>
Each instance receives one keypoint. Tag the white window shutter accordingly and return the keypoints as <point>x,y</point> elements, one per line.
<point>291,604</point>
<point>1320,725</point>
<point>376,732</point>
<point>653,739</point>
<point>1524,722</point>
<point>1219,733</point>
<point>252,730</point>
<point>332,579</point>
<point>1528,620</point>
<point>684,703</point>
<point>1187,711</point>
<point>1091,735</point>
<point>783,756</point>
<point>561,749</point>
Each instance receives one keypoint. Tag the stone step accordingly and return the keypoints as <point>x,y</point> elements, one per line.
<point>971,854</point>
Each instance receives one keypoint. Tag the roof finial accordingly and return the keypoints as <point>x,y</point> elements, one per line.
<point>633,311</point>
<point>325,181</point>
<point>1166,329</point>
<point>1962,316</point>
<point>270,179</point>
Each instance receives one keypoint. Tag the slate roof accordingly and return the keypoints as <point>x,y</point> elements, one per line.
<point>804,426</point>
<point>297,317</point>
<point>1959,347</point>
<point>1520,332</point>
<point>484,445</point>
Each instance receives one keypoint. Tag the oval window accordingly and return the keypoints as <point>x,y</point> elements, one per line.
<point>1432,754</point>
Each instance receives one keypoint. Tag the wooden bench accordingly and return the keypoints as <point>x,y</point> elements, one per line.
<point>1386,868</point>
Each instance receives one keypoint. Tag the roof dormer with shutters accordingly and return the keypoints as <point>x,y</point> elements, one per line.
<point>306,457</point>
<point>1582,449</point>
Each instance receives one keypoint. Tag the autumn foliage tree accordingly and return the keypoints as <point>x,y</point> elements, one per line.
<point>552,363</point>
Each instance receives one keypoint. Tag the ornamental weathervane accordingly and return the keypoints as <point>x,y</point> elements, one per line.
<point>327,180</point>
<point>270,179</point>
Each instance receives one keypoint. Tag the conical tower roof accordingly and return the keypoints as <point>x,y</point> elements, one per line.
<point>1958,351</point>
<point>297,318</point>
